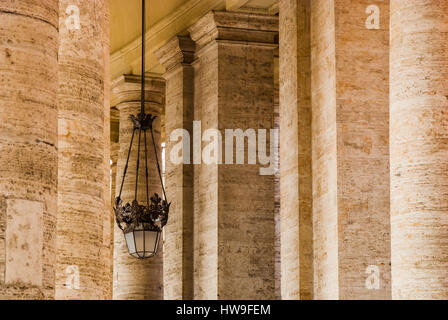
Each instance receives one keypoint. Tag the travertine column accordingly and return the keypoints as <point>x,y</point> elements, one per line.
<point>108,219</point>
<point>134,278</point>
<point>176,56</point>
<point>28,147</point>
<point>234,205</point>
<point>114,150</point>
<point>350,128</point>
<point>419,149</point>
<point>277,217</point>
<point>295,150</point>
<point>83,223</point>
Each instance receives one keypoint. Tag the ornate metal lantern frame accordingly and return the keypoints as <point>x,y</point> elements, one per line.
<point>142,223</point>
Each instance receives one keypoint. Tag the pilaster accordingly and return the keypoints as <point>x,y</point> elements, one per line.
<point>176,56</point>
<point>234,204</point>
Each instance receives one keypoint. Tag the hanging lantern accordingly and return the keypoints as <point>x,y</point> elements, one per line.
<point>142,223</point>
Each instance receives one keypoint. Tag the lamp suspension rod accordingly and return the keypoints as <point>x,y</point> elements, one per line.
<point>143,56</point>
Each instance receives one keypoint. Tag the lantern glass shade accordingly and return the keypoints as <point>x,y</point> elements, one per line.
<point>142,243</point>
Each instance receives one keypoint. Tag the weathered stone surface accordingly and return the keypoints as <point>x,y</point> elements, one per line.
<point>24,241</point>
<point>295,150</point>
<point>324,151</point>
<point>84,217</point>
<point>177,56</point>
<point>234,206</point>
<point>28,146</point>
<point>220,25</point>
<point>277,217</point>
<point>222,240</point>
<point>350,127</point>
<point>419,149</point>
<point>133,278</point>
<point>108,219</point>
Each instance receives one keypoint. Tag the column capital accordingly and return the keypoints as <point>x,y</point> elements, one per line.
<point>235,27</point>
<point>178,50</point>
<point>127,89</point>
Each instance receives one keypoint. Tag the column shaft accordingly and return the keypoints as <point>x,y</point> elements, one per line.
<point>177,56</point>
<point>234,207</point>
<point>277,217</point>
<point>350,128</point>
<point>28,146</point>
<point>419,149</point>
<point>83,223</point>
<point>108,219</point>
<point>114,152</point>
<point>295,150</point>
<point>133,278</point>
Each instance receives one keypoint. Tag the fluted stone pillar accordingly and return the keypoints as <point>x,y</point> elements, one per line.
<point>177,56</point>
<point>134,278</point>
<point>83,223</point>
<point>419,149</point>
<point>28,147</point>
<point>234,204</point>
<point>295,150</point>
<point>350,149</point>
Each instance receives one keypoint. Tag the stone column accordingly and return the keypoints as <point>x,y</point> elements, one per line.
<point>114,151</point>
<point>234,205</point>
<point>28,146</point>
<point>277,217</point>
<point>177,56</point>
<point>350,149</point>
<point>137,279</point>
<point>419,149</point>
<point>295,150</point>
<point>83,197</point>
<point>108,219</point>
